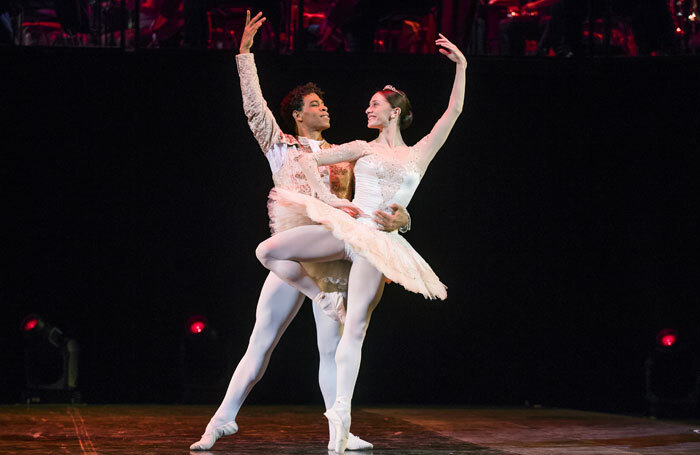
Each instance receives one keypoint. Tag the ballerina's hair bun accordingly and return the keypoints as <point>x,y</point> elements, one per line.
<point>397,98</point>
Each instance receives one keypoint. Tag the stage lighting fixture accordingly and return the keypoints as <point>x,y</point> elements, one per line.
<point>50,362</point>
<point>667,337</point>
<point>672,376</point>
<point>197,324</point>
<point>201,345</point>
<point>30,323</point>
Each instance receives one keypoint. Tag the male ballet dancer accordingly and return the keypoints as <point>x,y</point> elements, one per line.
<point>304,108</point>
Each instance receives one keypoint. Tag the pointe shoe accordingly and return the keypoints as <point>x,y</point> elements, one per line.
<point>339,417</point>
<point>332,303</point>
<point>211,435</point>
<point>354,443</point>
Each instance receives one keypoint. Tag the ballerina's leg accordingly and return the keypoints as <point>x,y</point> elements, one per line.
<point>283,252</point>
<point>365,288</point>
<point>328,334</point>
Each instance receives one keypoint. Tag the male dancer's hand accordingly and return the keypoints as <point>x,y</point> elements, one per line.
<point>391,221</point>
<point>347,207</point>
<point>251,28</point>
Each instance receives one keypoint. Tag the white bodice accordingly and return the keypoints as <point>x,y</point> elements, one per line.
<point>383,175</point>
<point>382,180</point>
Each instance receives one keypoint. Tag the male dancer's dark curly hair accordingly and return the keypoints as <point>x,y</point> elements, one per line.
<point>294,101</point>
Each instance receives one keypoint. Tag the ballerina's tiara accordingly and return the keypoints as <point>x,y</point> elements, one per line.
<point>391,87</point>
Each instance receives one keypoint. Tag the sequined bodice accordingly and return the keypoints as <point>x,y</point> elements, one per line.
<point>384,179</point>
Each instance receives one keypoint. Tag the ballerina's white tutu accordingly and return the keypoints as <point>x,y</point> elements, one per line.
<point>330,276</point>
<point>389,252</point>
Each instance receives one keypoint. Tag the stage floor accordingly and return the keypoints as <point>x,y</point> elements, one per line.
<point>136,429</point>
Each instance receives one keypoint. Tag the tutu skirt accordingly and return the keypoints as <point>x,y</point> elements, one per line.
<point>390,253</point>
<point>330,276</point>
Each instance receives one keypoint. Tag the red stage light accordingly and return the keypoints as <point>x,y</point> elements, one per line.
<point>197,327</point>
<point>668,340</point>
<point>30,324</point>
<point>667,337</point>
<point>197,324</point>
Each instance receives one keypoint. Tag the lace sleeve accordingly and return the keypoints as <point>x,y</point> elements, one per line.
<point>260,119</point>
<point>406,227</point>
<point>309,163</point>
<point>350,151</point>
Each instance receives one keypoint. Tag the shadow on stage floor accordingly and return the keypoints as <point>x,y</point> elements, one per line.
<point>93,429</point>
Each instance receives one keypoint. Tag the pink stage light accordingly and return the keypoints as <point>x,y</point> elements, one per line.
<point>668,340</point>
<point>30,324</point>
<point>667,337</point>
<point>197,324</point>
<point>197,327</point>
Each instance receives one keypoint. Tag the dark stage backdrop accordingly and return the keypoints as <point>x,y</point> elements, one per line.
<point>562,213</point>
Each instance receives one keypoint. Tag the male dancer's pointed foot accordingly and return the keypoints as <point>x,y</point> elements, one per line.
<point>354,443</point>
<point>332,304</point>
<point>212,434</point>
<point>339,417</point>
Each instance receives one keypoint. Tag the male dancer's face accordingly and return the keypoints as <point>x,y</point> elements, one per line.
<point>313,116</point>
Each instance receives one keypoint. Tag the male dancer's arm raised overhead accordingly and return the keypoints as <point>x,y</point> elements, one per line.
<point>279,302</point>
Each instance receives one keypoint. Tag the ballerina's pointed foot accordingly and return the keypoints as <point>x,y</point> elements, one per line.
<point>332,304</point>
<point>339,417</point>
<point>212,434</point>
<point>354,443</point>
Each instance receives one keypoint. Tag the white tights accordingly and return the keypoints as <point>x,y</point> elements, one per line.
<point>282,253</point>
<point>277,306</point>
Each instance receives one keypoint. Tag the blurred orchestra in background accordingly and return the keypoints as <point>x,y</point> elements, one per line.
<point>555,28</point>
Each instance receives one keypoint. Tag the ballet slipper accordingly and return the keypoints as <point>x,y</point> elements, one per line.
<point>339,417</point>
<point>354,443</point>
<point>212,434</point>
<point>332,304</point>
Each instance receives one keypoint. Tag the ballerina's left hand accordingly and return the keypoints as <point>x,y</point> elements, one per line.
<point>450,50</point>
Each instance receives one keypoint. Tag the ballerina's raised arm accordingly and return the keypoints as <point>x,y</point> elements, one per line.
<point>430,144</point>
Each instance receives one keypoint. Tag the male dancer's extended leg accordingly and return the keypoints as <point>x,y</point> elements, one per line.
<point>277,306</point>
<point>366,286</point>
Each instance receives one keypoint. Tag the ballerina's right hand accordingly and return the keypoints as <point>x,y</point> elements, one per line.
<point>251,28</point>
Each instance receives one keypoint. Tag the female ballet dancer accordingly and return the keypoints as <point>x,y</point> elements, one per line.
<point>279,302</point>
<point>386,171</point>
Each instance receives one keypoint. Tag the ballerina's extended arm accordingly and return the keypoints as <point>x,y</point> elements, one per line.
<point>438,135</point>
<point>309,162</point>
